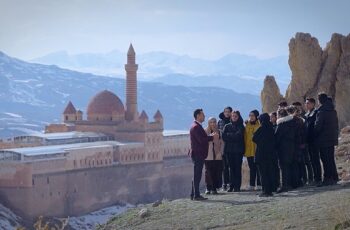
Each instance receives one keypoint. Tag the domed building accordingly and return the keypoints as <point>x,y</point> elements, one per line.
<point>107,114</point>
<point>105,106</point>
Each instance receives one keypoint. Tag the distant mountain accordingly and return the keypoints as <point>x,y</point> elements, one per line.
<point>33,95</point>
<point>157,66</point>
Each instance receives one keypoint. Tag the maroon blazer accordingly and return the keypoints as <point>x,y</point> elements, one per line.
<point>199,141</point>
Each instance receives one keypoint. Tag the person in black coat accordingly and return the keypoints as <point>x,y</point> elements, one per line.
<point>311,146</point>
<point>233,136</point>
<point>277,174</point>
<point>265,155</point>
<point>287,142</point>
<point>225,118</point>
<point>326,131</point>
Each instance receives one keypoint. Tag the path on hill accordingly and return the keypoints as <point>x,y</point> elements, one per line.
<point>305,208</point>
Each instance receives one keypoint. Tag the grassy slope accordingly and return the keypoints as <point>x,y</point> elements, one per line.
<point>308,208</point>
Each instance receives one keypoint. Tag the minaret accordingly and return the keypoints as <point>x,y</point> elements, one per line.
<point>131,86</point>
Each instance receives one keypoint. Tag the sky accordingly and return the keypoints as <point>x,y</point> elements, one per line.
<point>198,28</point>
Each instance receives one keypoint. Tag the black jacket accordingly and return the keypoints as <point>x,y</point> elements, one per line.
<point>326,128</point>
<point>233,136</point>
<point>223,121</point>
<point>287,138</point>
<point>264,138</point>
<point>310,119</point>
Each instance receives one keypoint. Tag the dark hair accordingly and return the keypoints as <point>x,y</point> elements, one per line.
<point>282,112</point>
<point>322,97</point>
<point>229,108</point>
<point>255,112</point>
<point>283,104</point>
<point>274,114</point>
<point>240,119</point>
<point>312,100</point>
<point>291,109</point>
<point>197,112</point>
<point>297,103</point>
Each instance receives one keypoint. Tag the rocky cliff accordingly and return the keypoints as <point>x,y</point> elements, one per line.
<point>315,70</point>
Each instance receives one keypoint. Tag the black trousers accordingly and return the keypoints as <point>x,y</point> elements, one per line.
<point>276,174</point>
<point>197,175</point>
<point>314,153</point>
<point>286,174</point>
<point>267,172</point>
<point>226,170</point>
<point>235,167</point>
<point>328,161</point>
<point>254,175</point>
<point>213,174</point>
<point>308,173</point>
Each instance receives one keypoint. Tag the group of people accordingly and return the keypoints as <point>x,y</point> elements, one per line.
<point>284,149</point>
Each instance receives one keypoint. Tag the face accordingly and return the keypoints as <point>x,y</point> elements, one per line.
<point>273,118</point>
<point>201,117</point>
<point>234,117</point>
<point>212,124</point>
<point>252,117</point>
<point>227,113</point>
<point>309,106</point>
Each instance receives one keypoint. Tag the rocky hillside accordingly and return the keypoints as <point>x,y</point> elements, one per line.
<point>314,70</point>
<point>308,208</point>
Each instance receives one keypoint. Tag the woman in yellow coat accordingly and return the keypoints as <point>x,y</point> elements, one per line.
<point>250,147</point>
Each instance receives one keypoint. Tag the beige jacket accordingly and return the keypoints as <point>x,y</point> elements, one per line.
<point>215,147</point>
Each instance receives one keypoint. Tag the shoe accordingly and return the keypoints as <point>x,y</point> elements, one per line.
<point>224,187</point>
<point>265,194</point>
<point>191,197</point>
<point>214,192</point>
<point>207,192</point>
<point>281,190</point>
<point>318,183</point>
<point>250,188</point>
<point>230,190</point>
<point>200,198</point>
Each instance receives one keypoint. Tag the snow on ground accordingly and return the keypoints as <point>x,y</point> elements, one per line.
<point>91,220</point>
<point>8,220</point>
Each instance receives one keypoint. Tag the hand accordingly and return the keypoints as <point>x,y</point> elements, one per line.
<point>215,135</point>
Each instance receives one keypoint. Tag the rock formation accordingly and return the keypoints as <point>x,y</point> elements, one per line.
<point>315,70</point>
<point>270,95</point>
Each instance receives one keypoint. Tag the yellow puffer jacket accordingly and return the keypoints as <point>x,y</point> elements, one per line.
<point>250,146</point>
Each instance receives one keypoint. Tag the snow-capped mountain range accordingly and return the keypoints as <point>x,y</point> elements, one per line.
<point>32,95</point>
<point>241,73</point>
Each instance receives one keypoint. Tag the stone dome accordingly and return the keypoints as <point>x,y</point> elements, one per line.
<point>105,106</point>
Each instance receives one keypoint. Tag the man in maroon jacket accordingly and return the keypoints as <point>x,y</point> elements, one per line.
<point>199,151</point>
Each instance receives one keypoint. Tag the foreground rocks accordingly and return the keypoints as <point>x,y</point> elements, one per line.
<point>315,70</point>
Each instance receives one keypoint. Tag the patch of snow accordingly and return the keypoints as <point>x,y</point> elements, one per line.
<point>92,220</point>
<point>8,220</point>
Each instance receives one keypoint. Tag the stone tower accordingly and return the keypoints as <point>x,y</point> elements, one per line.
<point>131,86</point>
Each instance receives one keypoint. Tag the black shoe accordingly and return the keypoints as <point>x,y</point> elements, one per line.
<point>200,198</point>
<point>214,192</point>
<point>191,197</point>
<point>318,184</point>
<point>281,190</point>
<point>265,194</point>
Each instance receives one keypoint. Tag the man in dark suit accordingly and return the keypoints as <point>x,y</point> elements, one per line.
<point>199,151</point>
<point>326,132</point>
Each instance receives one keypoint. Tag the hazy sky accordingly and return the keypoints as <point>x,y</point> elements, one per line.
<point>207,29</point>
